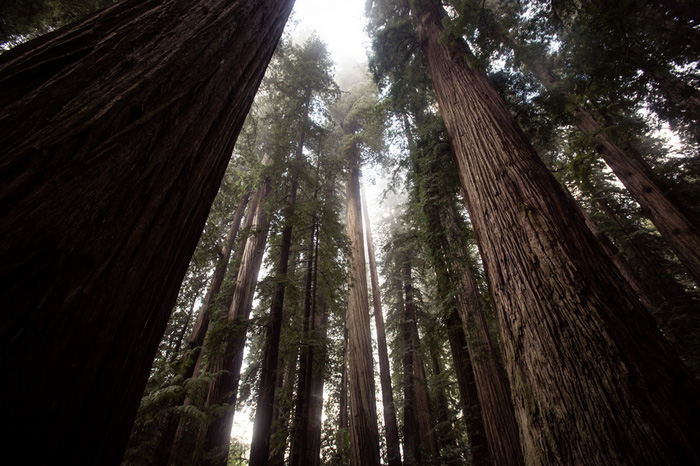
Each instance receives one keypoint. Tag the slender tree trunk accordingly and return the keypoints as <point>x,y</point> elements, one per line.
<point>182,446</point>
<point>196,338</point>
<point>319,352</point>
<point>390,424</point>
<point>494,393</point>
<point>343,401</point>
<point>229,359</point>
<point>469,396</point>
<point>427,445</point>
<point>444,428</point>
<point>300,442</point>
<point>282,409</point>
<point>260,445</point>
<point>411,437</point>
<point>577,343</point>
<point>116,132</point>
<point>681,232</point>
<point>364,435</point>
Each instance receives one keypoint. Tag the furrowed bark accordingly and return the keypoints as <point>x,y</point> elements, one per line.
<point>115,135</point>
<point>364,435</point>
<point>224,389</point>
<point>390,424</point>
<point>593,382</point>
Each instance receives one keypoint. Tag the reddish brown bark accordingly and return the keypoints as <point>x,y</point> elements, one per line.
<point>115,135</point>
<point>364,435</point>
<point>224,388</point>
<point>593,382</point>
<point>390,424</point>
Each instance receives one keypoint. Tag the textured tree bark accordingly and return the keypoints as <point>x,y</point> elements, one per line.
<point>468,394</point>
<point>116,132</point>
<point>224,388</point>
<point>260,444</point>
<point>195,341</point>
<point>425,450</point>
<point>300,455</point>
<point>680,230</point>
<point>364,435</point>
<point>592,380</point>
<point>390,424</point>
<point>343,433</point>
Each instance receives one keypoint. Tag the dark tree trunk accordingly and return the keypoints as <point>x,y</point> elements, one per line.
<point>318,351</point>
<point>576,342</point>
<point>260,445</point>
<point>116,132</point>
<point>468,394</point>
<point>390,424</point>
<point>680,230</point>
<point>364,435</point>
<point>284,403</point>
<point>224,388</point>
<point>411,436</point>
<point>300,454</point>
<point>426,445</point>
<point>343,401</point>
<point>444,428</point>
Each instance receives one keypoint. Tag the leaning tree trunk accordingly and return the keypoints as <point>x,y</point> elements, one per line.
<point>390,424</point>
<point>592,380</point>
<point>364,435</point>
<point>115,134</point>
<point>681,231</point>
<point>190,361</point>
<point>227,361</point>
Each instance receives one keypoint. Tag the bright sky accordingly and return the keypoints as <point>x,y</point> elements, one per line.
<point>339,23</point>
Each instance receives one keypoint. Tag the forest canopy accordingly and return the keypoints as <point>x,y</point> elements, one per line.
<point>188,245</point>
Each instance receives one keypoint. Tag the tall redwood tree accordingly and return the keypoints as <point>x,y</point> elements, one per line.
<point>592,380</point>
<point>115,134</point>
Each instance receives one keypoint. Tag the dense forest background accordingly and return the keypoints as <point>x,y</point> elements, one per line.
<point>523,288</point>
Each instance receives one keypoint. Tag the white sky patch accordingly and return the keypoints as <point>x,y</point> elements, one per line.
<point>338,23</point>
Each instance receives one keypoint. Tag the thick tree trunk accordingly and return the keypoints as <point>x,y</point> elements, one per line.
<point>224,388</point>
<point>681,232</point>
<point>593,382</point>
<point>364,435</point>
<point>116,132</point>
<point>390,424</point>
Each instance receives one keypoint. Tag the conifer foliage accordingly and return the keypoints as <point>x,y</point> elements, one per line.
<point>535,275</point>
